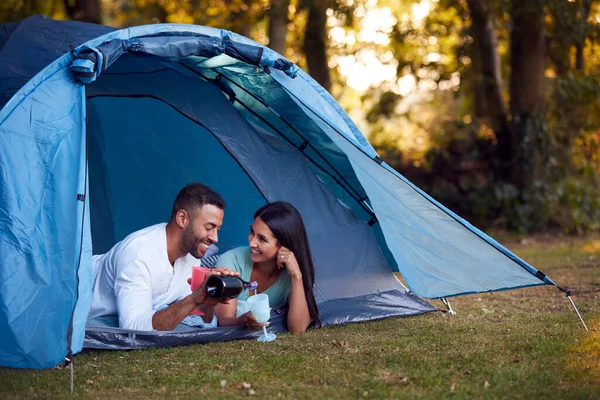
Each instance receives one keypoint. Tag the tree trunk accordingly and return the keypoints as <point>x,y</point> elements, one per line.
<point>84,10</point>
<point>472,77</point>
<point>560,39</point>
<point>490,83</point>
<point>278,25</point>
<point>527,63</point>
<point>315,38</point>
<point>243,19</point>
<point>582,35</point>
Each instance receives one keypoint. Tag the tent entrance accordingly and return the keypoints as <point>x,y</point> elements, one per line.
<point>141,112</point>
<point>153,129</point>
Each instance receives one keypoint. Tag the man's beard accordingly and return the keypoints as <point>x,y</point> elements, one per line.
<point>190,242</point>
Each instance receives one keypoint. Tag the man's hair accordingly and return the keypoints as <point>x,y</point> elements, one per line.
<point>195,195</point>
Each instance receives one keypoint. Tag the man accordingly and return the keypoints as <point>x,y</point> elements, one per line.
<point>144,279</point>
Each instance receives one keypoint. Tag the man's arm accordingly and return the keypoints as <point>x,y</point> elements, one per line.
<point>168,318</point>
<point>133,293</point>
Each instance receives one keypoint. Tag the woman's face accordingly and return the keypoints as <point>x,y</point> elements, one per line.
<point>263,244</point>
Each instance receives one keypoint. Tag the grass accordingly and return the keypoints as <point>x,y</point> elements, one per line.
<point>525,343</point>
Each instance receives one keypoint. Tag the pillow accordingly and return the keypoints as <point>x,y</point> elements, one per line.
<point>210,261</point>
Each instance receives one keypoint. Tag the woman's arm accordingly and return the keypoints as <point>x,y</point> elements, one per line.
<point>298,318</point>
<point>226,316</point>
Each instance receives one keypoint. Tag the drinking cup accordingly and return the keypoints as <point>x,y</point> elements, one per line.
<point>198,276</point>
<point>259,307</point>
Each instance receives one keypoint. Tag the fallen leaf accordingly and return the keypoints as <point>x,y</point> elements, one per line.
<point>528,241</point>
<point>246,385</point>
<point>162,389</point>
<point>341,343</point>
<point>486,385</point>
<point>221,367</point>
<point>404,381</point>
<point>467,372</point>
<point>453,386</point>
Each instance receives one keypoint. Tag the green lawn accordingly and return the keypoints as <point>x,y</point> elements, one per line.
<point>525,343</point>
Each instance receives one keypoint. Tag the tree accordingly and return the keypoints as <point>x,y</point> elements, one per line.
<point>568,30</point>
<point>315,43</point>
<point>84,10</point>
<point>527,64</point>
<point>278,25</point>
<point>489,81</point>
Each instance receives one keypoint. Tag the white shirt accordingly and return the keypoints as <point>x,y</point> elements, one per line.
<point>135,278</point>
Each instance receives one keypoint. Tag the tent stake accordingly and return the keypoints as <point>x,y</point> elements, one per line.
<point>447,304</point>
<point>71,367</point>
<point>577,311</point>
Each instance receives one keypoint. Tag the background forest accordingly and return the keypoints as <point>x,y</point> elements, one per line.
<point>490,106</point>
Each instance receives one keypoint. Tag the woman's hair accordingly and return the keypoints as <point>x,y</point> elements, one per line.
<point>286,224</point>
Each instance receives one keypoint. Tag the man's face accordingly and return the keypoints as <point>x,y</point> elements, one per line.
<point>202,230</point>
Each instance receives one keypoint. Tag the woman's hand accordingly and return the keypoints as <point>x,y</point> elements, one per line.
<point>286,259</point>
<point>250,321</point>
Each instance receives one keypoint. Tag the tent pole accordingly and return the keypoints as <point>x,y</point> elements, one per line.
<point>577,311</point>
<point>399,281</point>
<point>346,186</point>
<point>448,306</point>
<point>72,373</point>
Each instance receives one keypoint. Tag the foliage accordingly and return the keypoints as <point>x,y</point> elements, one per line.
<point>425,117</point>
<point>16,10</point>
<point>556,150</point>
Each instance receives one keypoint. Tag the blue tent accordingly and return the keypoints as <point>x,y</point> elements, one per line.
<point>99,129</point>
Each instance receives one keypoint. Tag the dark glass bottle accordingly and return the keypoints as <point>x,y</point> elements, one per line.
<point>227,287</point>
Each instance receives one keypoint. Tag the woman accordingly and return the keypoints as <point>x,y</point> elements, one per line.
<point>278,259</point>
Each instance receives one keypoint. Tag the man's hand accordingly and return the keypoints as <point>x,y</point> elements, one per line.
<point>199,295</point>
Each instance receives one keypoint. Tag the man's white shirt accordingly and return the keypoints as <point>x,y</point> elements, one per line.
<point>135,278</point>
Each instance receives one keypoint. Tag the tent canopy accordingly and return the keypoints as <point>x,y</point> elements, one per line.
<point>96,142</point>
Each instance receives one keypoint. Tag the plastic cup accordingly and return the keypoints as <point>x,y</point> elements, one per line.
<point>198,276</point>
<point>259,307</point>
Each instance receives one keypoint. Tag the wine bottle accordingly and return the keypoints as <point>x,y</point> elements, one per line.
<point>227,287</point>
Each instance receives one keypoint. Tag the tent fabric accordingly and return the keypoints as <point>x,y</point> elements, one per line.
<point>28,46</point>
<point>96,141</point>
<point>396,303</point>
